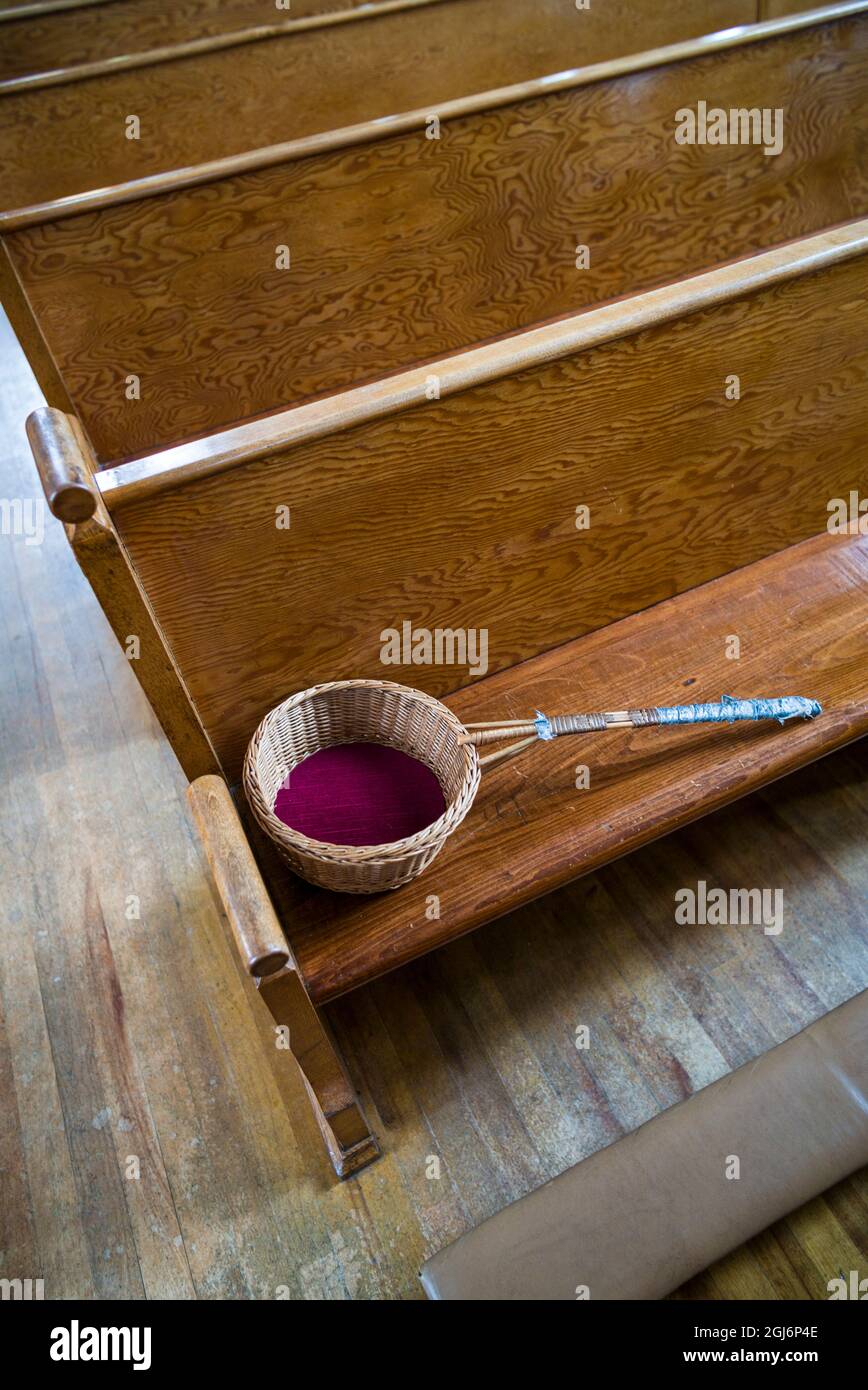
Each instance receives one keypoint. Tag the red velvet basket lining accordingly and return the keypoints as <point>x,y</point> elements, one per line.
<point>360,794</point>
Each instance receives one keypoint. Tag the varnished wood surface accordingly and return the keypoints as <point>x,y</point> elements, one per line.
<point>258,935</point>
<point>17,308</point>
<point>216,104</point>
<point>262,951</point>
<point>462,513</point>
<point>53,42</point>
<point>798,616</point>
<point>342,1123</point>
<point>406,249</point>
<point>134,479</point>
<point>774,9</point>
<point>63,468</point>
<point>105,565</point>
<point>128,1037</point>
<point>383,128</point>
<point>13,9</point>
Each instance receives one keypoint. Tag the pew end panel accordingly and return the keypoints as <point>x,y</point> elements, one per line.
<point>265,957</point>
<point>66,470</point>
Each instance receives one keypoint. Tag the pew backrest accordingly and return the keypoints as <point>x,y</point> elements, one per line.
<point>69,132</point>
<point>49,42</point>
<point>158,318</point>
<point>564,479</point>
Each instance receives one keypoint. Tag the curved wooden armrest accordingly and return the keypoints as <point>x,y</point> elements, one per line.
<point>255,927</point>
<point>63,469</point>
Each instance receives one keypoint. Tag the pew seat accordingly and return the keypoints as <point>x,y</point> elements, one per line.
<point>799,615</point>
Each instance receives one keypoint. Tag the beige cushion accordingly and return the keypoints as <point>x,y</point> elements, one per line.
<point>640,1217</point>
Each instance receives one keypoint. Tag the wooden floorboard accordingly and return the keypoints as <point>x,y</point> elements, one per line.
<point>126,1028</point>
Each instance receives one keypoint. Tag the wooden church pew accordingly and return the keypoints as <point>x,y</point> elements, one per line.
<point>44,39</point>
<point>398,250</point>
<point>707,521</point>
<point>14,9</point>
<point>58,140</point>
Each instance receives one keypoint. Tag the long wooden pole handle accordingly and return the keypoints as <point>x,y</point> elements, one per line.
<point>255,927</point>
<point>63,471</point>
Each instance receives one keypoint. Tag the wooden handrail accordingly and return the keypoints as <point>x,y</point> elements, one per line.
<point>255,928</point>
<point>130,482</point>
<point>66,479</point>
<point>41,7</point>
<point>384,128</point>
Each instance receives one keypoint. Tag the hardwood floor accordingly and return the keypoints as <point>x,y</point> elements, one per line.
<point>126,1034</point>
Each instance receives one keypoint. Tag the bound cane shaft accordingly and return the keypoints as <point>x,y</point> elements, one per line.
<point>727,710</point>
<point>566,724</point>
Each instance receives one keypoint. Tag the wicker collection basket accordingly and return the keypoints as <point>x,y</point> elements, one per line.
<point>366,711</point>
<point>357,711</point>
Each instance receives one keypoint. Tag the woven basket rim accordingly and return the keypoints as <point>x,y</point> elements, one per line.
<point>389,850</point>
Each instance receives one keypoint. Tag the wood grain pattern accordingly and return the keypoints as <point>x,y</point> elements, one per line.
<point>42,43</point>
<point>127,1037</point>
<point>29,333</point>
<point>63,466</point>
<point>65,460</point>
<point>11,9</point>
<point>799,618</point>
<point>461,513</point>
<point>263,953</point>
<point>349,1141</point>
<point>535,347</point>
<point>774,9</point>
<point>220,103</point>
<point>108,571</point>
<point>406,249</point>
<point>385,127</point>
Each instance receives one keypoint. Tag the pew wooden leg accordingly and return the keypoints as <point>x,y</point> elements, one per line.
<point>339,1115</point>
